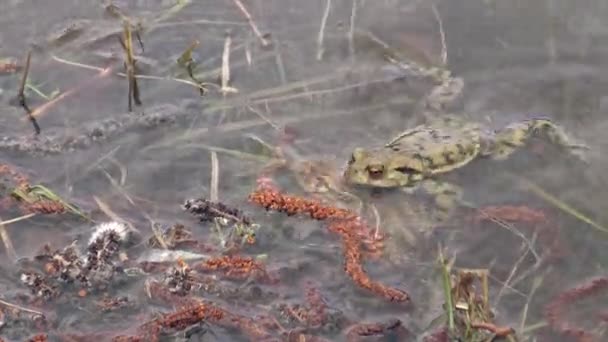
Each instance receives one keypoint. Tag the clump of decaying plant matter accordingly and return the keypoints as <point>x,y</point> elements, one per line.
<point>179,279</point>
<point>468,313</point>
<point>96,268</point>
<point>225,218</point>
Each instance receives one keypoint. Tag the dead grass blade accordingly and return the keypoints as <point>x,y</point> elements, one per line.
<point>251,22</point>
<point>8,244</point>
<point>215,176</point>
<point>321,36</point>
<point>537,190</point>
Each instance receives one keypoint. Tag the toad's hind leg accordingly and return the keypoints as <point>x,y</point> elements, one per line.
<point>516,135</point>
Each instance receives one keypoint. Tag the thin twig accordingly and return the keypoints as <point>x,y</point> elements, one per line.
<point>248,54</point>
<point>245,124</point>
<point>444,49</point>
<point>320,38</point>
<point>37,112</point>
<point>512,273</point>
<point>351,30</point>
<point>559,204</point>
<point>21,93</point>
<point>8,244</point>
<point>225,87</point>
<point>215,178</point>
<point>21,308</point>
<point>447,290</point>
<point>130,66</point>
<point>280,64</point>
<point>26,70</point>
<point>17,219</point>
<point>254,27</point>
<point>524,316</point>
<point>512,229</point>
<point>265,118</point>
<point>199,22</point>
<point>105,208</point>
<point>145,77</point>
<point>378,220</point>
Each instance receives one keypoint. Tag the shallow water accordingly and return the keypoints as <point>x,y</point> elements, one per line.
<point>518,59</point>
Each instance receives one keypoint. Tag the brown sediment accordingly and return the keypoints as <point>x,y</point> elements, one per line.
<point>344,222</point>
<point>555,311</point>
<point>38,338</point>
<point>358,331</point>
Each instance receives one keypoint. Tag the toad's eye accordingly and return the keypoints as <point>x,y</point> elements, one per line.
<point>375,171</point>
<point>406,170</point>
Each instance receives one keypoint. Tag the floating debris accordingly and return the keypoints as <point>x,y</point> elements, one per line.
<point>207,211</point>
<point>94,269</point>
<point>119,230</point>
<point>161,256</point>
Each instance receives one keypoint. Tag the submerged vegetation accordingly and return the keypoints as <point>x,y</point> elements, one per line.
<point>271,244</point>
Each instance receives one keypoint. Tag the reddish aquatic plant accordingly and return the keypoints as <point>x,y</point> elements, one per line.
<point>272,199</point>
<point>557,309</point>
<point>20,190</point>
<point>236,267</point>
<point>548,234</point>
<point>496,330</point>
<point>195,311</point>
<point>43,207</point>
<point>344,222</point>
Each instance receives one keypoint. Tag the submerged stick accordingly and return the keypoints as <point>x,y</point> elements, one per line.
<point>215,178</point>
<point>537,190</point>
<point>127,44</point>
<point>38,111</point>
<point>21,93</point>
<point>444,48</point>
<point>447,290</point>
<point>351,30</point>
<point>254,27</point>
<point>8,244</point>
<point>225,87</point>
<point>320,38</point>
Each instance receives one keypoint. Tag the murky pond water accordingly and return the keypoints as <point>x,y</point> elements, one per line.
<point>308,82</point>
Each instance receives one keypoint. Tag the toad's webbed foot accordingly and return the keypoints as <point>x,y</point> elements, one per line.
<point>517,135</point>
<point>447,197</point>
